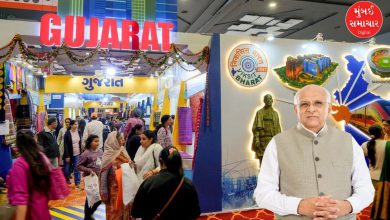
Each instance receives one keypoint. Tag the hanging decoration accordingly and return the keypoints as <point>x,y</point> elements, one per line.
<point>44,60</point>
<point>2,93</point>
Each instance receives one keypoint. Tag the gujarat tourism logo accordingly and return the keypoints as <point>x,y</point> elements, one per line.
<point>247,65</point>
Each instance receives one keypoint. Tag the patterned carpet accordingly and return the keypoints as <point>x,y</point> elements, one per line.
<point>72,208</point>
<point>261,214</point>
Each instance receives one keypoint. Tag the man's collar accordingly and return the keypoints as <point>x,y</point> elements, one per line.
<point>323,129</point>
<point>48,129</point>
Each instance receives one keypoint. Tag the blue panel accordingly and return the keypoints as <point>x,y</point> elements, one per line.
<point>207,175</point>
<point>354,66</point>
<point>5,158</point>
<point>358,135</point>
<point>57,100</point>
<point>170,8</point>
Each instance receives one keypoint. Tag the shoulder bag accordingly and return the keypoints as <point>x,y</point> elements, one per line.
<point>170,200</point>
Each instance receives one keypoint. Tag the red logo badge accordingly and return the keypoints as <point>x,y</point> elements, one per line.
<point>364,19</point>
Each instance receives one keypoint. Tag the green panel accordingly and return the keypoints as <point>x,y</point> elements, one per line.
<point>150,10</point>
<point>64,8</point>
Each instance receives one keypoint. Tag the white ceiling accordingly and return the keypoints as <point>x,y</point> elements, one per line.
<point>298,19</point>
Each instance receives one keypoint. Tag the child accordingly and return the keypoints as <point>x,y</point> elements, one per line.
<point>90,163</point>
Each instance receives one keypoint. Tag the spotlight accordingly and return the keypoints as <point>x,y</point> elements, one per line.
<point>272,4</point>
<point>270,38</point>
<point>110,71</point>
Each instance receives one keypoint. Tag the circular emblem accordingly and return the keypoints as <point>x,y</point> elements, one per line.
<point>364,19</point>
<point>247,65</point>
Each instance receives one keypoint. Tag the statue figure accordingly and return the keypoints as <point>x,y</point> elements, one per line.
<point>265,126</point>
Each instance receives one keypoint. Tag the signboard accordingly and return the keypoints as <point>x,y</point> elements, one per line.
<point>247,65</point>
<point>102,105</point>
<point>90,84</point>
<point>131,38</point>
<point>364,19</point>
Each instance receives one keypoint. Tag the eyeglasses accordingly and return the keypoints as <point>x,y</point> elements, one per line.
<point>316,104</point>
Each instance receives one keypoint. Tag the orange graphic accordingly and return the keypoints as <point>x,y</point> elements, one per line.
<point>342,113</point>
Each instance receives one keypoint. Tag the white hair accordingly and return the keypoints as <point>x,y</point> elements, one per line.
<point>296,96</point>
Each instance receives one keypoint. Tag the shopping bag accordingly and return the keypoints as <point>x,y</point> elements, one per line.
<point>59,188</point>
<point>130,183</point>
<point>92,189</point>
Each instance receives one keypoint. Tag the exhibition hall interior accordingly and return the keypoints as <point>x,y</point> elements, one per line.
<point>194,109</point>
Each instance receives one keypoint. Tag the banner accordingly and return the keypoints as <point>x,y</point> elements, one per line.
<point>91,84</point>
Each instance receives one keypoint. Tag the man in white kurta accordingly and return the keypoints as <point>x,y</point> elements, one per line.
<point>313,171</point>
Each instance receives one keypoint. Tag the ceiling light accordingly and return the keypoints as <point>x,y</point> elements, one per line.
<point>236,32</point>
<point>290,23</point>
<point>262,20</point>
<point>277,33</point>
<point>255,31</point>
<point>273,22</point>
<point>249,18</point>
<point>110,71</point>
<point>270,37</point>
<point>272,29</point>
<point>272,4</point>
<point>240,27</point>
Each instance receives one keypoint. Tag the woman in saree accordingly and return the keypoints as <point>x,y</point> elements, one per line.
<point>111,177</point>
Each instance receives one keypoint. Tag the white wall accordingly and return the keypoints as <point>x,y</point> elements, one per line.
<point>239,104</point>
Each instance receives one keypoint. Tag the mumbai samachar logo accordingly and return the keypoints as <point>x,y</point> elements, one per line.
<point>247,65</point>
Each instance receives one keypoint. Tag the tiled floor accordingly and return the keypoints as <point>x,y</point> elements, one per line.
<point>76,213</point>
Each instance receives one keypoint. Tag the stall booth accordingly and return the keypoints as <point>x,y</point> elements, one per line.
<point>243,71</point>
<point>228,94</point>
<point>77,81</point>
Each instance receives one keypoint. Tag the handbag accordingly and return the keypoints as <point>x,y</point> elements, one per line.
<point>92,189</point>
<point>170,200</point>
<point>130,183</point>
<point>59,188</point>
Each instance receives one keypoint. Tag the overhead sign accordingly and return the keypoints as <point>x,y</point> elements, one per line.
<point>247,65</point>
<point>86,84</point>
<point>75,29</point>
<point>364,19</point>
<point>109,104</point>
